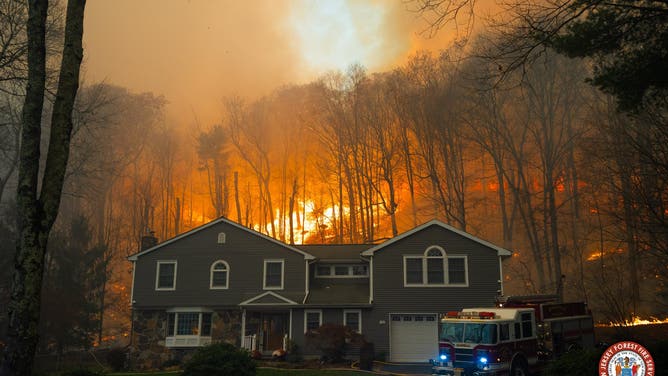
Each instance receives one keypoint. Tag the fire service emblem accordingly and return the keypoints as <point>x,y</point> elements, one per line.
<point>626,359</point>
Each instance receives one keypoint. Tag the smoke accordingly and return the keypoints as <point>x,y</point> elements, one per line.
<point>197,52</point>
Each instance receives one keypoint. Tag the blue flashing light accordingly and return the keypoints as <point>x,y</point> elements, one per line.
<point>483,360</point>
<point>443,357</point>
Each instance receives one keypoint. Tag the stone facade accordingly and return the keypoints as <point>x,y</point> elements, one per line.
<point>148,349</point>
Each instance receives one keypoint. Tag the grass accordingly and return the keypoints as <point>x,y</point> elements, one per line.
<point>306,372</point>
<point>263,372</point>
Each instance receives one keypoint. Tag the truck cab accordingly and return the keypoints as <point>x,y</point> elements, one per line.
<point>484,341</point>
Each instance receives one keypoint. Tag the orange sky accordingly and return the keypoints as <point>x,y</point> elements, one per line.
<point>195,52</point>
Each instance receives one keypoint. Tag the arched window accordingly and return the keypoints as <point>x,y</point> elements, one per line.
<point>220,275</point>
<point>434,259</point>
<point>435,268</point>
<point>221,238</point>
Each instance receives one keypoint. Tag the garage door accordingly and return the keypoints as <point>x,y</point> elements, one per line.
<point>413,337</point>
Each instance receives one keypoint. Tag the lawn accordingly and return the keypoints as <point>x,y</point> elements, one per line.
<point>307,372</point>
<point>267,372</point>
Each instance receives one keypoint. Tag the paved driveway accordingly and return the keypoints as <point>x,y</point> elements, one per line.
<point>403,368</point>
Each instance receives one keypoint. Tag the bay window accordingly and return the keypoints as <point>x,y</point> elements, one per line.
<point>188,328</point>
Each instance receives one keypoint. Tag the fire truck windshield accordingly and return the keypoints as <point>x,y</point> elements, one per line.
<point>469,332</point>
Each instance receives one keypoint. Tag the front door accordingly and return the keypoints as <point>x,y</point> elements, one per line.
<point>269,328</point>
<point>274,328</point>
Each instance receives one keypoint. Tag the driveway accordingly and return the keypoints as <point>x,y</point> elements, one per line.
<point>403,368</point>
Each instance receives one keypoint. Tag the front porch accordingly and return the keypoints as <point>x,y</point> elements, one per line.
<point>265,330</point>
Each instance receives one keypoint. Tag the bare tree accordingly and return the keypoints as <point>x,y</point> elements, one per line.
<point>212,151</point>
<point>37,213</point>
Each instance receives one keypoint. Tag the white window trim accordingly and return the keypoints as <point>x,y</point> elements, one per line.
<point>307,311</point>
<point>406,284</point>
<point>349,275</point>
<point>446,272</point>
<point>466,270</point>
<point>221,238</point>
<point>157,275</point>
<point>359,321</point>
<point>264,275</point>
<point>188,340</point>
<point>227,276</point>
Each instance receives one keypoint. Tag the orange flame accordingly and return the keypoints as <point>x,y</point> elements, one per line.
<point>636,321</point>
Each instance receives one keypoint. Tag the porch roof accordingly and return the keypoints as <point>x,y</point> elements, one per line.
<point>338,295</point>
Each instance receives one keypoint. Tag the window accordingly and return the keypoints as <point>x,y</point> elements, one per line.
<point>220,275</point>
<point>435,268</point>
<point>165,278</point>
<point>527,325</point>
<point>188,329</point>
<point>353,320</point>
<point>360,270</point>
<point>325,270</point>
<point>221,238</point>
<point>504,330</point>
<point>312,320</point>
<point>273,274</point>
<point>342,271</point>
<point>413,268</point>
<point>457,270</point>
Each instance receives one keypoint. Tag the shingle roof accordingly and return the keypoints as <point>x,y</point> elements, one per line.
<point>339,252</point>
<point>134,257</point>
<point>500,251</point>
<point>333,293</point>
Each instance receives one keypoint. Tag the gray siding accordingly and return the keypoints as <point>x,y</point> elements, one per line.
<point>244,252</point>
<point>329,316</point>
<point>390,295</point>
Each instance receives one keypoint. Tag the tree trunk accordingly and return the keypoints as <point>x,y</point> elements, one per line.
<point>37,214</point>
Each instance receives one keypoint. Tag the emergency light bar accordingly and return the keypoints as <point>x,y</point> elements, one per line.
<point>470,315</point>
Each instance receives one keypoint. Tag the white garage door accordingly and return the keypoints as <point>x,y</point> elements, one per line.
<point>413,337</point>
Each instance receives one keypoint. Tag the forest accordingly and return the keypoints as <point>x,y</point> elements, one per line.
<point>540,161</point>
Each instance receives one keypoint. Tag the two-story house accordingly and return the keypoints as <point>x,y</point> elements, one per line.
<point>225,282</point>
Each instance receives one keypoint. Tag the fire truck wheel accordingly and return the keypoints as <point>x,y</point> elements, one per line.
<point>519,368</point>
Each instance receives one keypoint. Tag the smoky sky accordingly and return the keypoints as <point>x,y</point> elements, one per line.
<point>195,52</point>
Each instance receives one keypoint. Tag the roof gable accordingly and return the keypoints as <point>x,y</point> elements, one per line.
<point>268,298</point>
<point>252,232</point>
<point>500,251</point>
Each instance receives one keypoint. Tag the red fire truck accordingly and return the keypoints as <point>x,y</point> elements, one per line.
<point>518,336</point>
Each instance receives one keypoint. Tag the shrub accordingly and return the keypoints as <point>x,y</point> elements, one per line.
<point>219,359</point>
<point>659,353</point>
<point>171,363</point>
<point>116,359</point>
<point>332,341</point>
<point>82,372</point>
<point>294,353</point>
<point>366,356</point>
<point>575,363</point>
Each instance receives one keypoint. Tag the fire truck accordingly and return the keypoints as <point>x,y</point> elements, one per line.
<point>520,335</point>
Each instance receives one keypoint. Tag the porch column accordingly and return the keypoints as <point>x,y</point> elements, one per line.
<point>243,328</point>
<point>290,325</point>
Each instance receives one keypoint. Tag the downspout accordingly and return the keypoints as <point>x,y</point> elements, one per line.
<point>132,288</point>
<point>500,276</point>
<point>371,279</point>
<point>308,280</point>
<point>132,304</point>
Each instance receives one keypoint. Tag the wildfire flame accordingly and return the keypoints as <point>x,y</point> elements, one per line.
<point>637,321</point>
